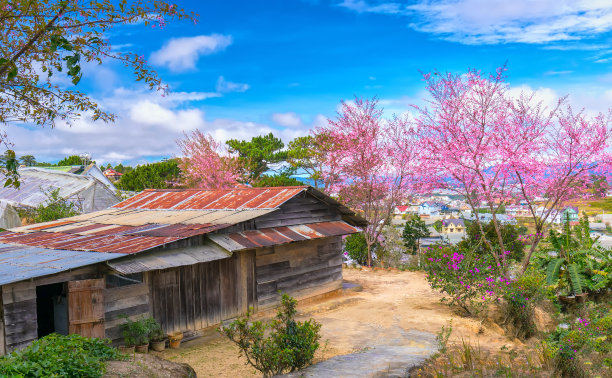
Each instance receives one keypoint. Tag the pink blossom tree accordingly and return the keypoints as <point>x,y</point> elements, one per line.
<point>575,147</point>
<point>207,163</point>
<point>368,162</point>
<point>495,149</point>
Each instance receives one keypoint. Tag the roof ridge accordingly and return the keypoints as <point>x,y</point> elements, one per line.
<point>237,188</point>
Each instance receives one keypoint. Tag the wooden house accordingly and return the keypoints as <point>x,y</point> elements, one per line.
<point>189,258</point>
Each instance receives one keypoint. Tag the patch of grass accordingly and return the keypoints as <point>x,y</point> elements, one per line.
<point>603,204</point>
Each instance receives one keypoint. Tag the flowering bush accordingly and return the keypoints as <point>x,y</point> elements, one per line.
<point>471,282</point>
<point>474,282</point>
<point>583,348</point>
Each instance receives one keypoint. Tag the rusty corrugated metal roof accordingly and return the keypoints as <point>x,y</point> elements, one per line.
<point>202,199</point>
<point>126,231</point>
<point>18,263</point>
<point>169,258</point>
<point>157,217</point>
<point>267,237</point>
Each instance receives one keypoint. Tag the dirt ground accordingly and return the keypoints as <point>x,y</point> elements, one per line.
<point>391,303</point>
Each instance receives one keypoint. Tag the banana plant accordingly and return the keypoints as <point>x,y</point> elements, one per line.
<point>568,268</point>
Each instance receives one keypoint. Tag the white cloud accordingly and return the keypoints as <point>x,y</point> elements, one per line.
<point>319,121</point>
<point>287,119</point>
<point>499,21</point>
<point>181,54</point>
<point>224,86</point>
<point>148,126</point>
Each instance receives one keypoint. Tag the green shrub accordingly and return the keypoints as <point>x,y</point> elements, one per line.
<point>54,207</point>
<point>583,349</point>
<point>511,236</point>
<point>136,332</point>
<point>356,247</point>
<point>60,356</point>
<point>156,333</point>
<point>520,297</point>
<point>281,345</point>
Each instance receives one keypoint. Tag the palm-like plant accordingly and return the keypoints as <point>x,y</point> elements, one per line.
<point>568,268</point>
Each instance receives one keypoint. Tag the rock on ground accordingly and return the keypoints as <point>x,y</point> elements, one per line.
<point>148,365</point>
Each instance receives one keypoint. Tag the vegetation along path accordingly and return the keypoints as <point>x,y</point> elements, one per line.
<point>382,330</point>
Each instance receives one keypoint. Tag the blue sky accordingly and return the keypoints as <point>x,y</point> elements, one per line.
<point>284,66</point>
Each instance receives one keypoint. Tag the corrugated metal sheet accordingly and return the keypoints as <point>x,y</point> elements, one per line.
<point>18,263</point>
<point>126,231</point>
<point>143,217</point>
<point>223,199</point>
<point>171,258</point>
<point>157,217</point>
<point>280,235</point>
<point>33,179</point>
<point>113,242</point>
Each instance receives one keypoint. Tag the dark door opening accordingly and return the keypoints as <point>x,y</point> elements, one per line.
<point>52,309</point>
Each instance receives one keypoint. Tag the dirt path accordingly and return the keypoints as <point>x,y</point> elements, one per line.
<point>396,309</point>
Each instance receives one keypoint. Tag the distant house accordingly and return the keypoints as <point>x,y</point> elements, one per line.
<point>88,193</point>
<point>597,227</point>
<point>189,258</point>
<point>453,226</point>
<point>112,175</point>
<point>487,217</point>
<point>432,208</point>
<point>569,213</point>
<point>517,211</point>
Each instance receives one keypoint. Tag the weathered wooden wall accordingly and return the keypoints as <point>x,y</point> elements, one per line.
<point>301,209</point>
<point>132,301</point>
<point>201,295</point>
<point>301,269</point>
<point>19,310</point>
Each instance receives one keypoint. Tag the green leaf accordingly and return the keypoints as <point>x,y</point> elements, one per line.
<point>575,281</point>
<point>552,271</point>
<point>12,73</point>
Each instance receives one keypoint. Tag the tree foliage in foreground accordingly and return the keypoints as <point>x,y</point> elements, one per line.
<point>44,39</point>
<point>43,45</point>
<point>279,346</point>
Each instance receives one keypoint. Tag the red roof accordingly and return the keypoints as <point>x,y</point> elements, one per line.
<point>112,172</point>
<point>205,199</point>
<point>402,208</point>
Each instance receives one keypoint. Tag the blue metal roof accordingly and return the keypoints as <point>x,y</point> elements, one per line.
<point>19,262</point>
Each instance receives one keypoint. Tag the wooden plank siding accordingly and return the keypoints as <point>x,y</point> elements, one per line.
<point>19,315</point>
<point>302,270</point>
<point>131,301</point>
<point>302,209</point>
<point>197,296</point>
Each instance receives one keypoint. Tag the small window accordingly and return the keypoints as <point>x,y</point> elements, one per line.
<point>116,280</point>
